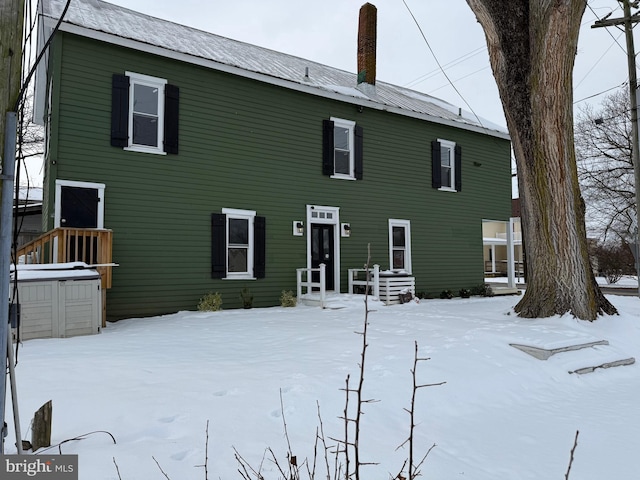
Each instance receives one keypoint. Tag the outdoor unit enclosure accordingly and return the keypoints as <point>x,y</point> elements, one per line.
<point>62,306</point>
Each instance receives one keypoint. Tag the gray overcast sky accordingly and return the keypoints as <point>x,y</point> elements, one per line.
<point>326,31</point>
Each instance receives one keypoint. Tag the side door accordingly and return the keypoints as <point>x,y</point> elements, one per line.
<point>79,205</point>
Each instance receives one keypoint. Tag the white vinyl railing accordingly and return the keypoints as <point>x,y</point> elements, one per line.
<point>304,281</point>
<point>370,282</point>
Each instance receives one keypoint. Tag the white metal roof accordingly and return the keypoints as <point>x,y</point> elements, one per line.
<point>118,25</point>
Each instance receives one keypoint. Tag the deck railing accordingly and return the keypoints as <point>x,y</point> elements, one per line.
<point>64,244</point>
<point>370,282</point>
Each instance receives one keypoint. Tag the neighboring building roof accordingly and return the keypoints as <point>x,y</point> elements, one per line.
<point>30,195</point>
<point>118,25</point>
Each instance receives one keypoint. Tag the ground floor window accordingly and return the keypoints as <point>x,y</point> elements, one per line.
<point>238,244</point>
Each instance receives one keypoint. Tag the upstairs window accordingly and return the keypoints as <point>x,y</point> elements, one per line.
<point>144,114</point>
<point>238,244</point>
<point>342,149</point>
<point>446,165</point>
<point>400,245</point>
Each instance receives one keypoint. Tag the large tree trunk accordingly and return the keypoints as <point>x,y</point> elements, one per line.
<point>532,46</point>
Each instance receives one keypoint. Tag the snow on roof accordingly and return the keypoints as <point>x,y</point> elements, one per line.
<point>123,26</point>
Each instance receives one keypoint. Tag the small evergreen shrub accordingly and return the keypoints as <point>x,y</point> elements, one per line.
<point>482,290</point>
<point>288,299</point>
<point>247,297</point>
<point>464,293</point>
<point>446,294</point>
<point>211,302</point>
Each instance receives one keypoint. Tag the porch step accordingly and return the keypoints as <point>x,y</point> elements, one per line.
<point>505,291</point>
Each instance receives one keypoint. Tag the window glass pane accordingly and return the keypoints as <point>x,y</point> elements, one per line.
<point>342,162</point>
<point>145,130</point>
<point>398,259</point>
<point>445,158</point>
<point>446,176</point>
<point>341,138</point>
<point>398,237</point>
<point>238,259</point>
<point>145,99</point>
<point>315,244</point>
<point>238,231</point>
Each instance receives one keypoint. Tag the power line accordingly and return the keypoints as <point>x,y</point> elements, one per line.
<point>440,66</point>
<point>598,61</point>
<point>452,63</point>
<point>610,34</point>
<point>600,93</point>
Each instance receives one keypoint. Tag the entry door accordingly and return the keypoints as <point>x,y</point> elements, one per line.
<point>323,251</point>
<point>79,207</point>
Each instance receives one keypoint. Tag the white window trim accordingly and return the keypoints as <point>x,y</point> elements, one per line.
<point>350,125</point>
<point>248,215</point>
<point>70,183</point>
<point>452,161</point>
<point>159,83</point>
<point>406,224</point>
<point>335,221</point>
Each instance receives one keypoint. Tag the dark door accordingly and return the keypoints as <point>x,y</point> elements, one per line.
<point>322,251</point>
<point>79,207</point>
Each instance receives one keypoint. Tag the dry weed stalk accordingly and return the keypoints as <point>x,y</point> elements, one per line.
<point>573,450</point>
<point>414,468</point>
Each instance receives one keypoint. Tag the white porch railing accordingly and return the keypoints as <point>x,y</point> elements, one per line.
<point>370,282</point>
<point>307,284</point>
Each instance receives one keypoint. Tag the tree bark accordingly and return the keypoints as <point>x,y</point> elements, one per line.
<point>532,47</point>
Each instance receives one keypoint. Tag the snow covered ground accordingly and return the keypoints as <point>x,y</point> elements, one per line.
<point>154,383</point>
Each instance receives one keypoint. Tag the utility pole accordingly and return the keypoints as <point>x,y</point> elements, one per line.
<point>628,21</point>
<point>11,29</point>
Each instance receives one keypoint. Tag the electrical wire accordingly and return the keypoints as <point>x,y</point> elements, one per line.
<point>600,93</point>
<point>452,63</point>
<point>424,37</point>
<point>29,26</point>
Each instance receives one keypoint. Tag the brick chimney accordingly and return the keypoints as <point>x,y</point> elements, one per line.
<point>367,46</point>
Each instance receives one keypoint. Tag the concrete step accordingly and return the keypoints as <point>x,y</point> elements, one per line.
<point>545,353</point>
<point>615,363</point>
<point>580,358</point>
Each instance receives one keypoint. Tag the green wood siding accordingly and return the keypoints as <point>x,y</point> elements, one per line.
<point>253,146</point>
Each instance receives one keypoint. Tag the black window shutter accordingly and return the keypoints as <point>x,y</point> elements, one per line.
<point>458,167</point>
<point>436,165</point>
<point>119,110</point>
<point>218,245</point>
<point>358,153</point>
<point>327,147</point>
<point>171,114</point>
<point>259,247</point>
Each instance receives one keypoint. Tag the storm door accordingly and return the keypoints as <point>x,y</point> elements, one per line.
<point>323,251</point>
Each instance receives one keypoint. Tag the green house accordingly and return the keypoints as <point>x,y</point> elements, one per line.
<point>220,166</point>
